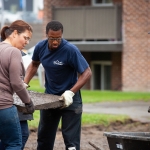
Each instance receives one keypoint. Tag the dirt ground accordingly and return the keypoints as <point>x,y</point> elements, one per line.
<point>92,134</point>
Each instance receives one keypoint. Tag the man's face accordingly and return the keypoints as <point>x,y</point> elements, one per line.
<point>54,39</point>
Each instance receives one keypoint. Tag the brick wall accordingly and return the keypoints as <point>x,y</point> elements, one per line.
<point>87,55</point>
<point>116,71</point>
<point>136,48</point>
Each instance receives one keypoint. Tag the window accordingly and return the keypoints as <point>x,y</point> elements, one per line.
<point>101,77</point>
<point>102,2</point>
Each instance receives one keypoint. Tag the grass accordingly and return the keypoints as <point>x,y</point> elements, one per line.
<point>103,119</point>
<point>93,97</point>
<point>87,119</point>
<point>113,96</point>
<point>34,123</point>
<point>35,86</point>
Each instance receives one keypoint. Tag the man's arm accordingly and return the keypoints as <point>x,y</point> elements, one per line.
<point>31,71</point>
<point>68,94</point>
<point>83,78</point>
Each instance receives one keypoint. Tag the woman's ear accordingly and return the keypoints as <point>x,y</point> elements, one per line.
<point>15,33</point>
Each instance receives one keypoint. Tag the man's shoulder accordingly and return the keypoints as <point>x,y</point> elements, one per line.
<point>40,46</point>
<point>69,45</point>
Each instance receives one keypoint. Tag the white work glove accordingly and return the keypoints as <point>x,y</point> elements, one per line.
<point>26,85</point>
<point>67,97</point>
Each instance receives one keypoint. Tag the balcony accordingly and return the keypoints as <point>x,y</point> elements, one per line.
<point>90,23</point>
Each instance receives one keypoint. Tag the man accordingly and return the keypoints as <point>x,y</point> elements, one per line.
<point>63,63</point>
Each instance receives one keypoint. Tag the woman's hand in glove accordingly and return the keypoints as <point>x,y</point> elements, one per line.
<point>67,97</point>
<point>30,107</point>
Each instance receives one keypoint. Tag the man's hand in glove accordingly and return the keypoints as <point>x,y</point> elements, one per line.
<point>30,107</point>
<point>26,85</point>
<point>67,97</point>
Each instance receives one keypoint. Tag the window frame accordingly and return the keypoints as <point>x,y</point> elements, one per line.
<point>101,4</point>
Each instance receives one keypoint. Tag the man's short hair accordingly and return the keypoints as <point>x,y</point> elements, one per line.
<point>54,25</point>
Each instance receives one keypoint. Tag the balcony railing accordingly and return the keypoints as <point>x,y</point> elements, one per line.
<point>90,23</point>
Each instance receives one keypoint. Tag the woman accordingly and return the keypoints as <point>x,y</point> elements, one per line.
<point>15,37</point>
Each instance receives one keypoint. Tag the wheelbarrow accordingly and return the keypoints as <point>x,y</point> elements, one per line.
<point>128,140</point>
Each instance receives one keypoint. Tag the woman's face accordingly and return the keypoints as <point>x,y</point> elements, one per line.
<point>22,39</point>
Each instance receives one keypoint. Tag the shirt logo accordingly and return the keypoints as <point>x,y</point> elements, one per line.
<point>58,63</point>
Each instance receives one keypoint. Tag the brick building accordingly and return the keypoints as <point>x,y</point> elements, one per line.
<point>113,37</point>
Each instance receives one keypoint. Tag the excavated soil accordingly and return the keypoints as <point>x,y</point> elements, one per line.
<point>92,134</point>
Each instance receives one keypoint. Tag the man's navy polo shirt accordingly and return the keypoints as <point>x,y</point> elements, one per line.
<point>61,65</point>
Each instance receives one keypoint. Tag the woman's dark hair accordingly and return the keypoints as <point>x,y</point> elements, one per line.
<point>19,25</point>
<point>54,25</point>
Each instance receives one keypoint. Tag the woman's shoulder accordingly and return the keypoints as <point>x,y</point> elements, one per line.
<point>8,47</point>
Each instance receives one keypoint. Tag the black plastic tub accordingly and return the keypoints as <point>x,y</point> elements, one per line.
<point>128,140</point>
